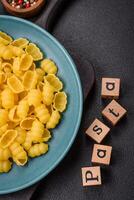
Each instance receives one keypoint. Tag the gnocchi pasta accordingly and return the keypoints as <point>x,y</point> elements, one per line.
<point>31,101</point>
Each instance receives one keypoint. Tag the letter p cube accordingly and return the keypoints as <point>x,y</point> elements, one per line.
<point>91,176</point>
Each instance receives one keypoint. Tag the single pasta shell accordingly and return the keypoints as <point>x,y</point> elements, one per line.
<point>46,135</point>
<point>21,135</point>
<point>7,67</point>
<point>20,42</point>
<point>49,66</point>
<point>15,84</point>
<point>7,138</point>
<point>34,97</point>
<point>16,67</point>
<point>5,154</point>
<point>7,98</point>
<point>34,51</point>
<point>5,37</point>
<point>54,81</point>
<point>22,161</point>
<point>25,62</point>
<point>48,94</point>
<point>29,80</point>
<point>5,166</point>
<point>13,115</point>
<point>60,101</point>
<point>8,53</point>
<point>26,123</point>
<point>17,51</point>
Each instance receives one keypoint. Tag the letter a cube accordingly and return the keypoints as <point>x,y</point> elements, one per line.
<point>110,88</point>
<point>101,154</point>
<point>91,176</point>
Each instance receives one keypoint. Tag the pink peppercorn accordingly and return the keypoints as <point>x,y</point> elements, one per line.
<point>20,1</point>
<point>27,5</point>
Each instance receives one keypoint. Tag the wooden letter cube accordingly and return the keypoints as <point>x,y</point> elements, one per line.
<point>113,112</point>
<point>97,131</point>
<point>91,176</point>
<point>101,154</point>
<point>110,88</point>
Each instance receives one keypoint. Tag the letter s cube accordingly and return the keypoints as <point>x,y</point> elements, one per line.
<point>97,131</point>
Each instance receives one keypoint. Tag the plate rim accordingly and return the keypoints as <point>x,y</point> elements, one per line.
<point>73,66</point>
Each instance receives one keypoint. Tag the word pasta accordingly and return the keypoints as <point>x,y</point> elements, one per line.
<point>31,101</point>
<point>97,131</point>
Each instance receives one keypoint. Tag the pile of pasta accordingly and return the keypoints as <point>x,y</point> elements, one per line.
<point>31,101</point>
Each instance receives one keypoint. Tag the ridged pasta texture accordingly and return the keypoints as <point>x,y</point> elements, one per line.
<point>18,153</point>
<point>5,154</point>
<point>54,119</point>
<point>32,99</point>
<point>5,166</point>
<point>38,149</point>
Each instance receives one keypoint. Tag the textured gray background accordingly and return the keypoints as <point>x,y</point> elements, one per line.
<point>101,32</point>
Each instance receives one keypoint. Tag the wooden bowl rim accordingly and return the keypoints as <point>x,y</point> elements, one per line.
<point>22,10</point>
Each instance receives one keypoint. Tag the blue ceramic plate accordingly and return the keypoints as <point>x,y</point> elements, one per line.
<point>64,135</point>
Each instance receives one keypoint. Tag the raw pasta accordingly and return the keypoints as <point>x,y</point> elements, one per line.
<point>5,154</point>
<point>34,97</point>
<point>54,81</point>
<point>5,166</point>
<point>20,42</point>
<point>18,153</point>
<point>15,84</point>
<point>7,98</point>
<point>34,51</point>
<point>7,138</point>
<point>3,117</point>
<point>30,80</point>
<point>38,149</point>
<point>60,101</point>
<point>22,109</point>
<point>54,119</point>
<point>31,101</point>
<point>48,94</point>
<point>25,62</point>
<point>37,130</point>
<point>49,66</point>
<point>42,113</point>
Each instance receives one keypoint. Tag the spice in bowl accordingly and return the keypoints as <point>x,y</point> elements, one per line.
<point>23,8</point>
<point>19,4</point>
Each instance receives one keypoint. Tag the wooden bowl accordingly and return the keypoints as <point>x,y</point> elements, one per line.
<point>24,12</point>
